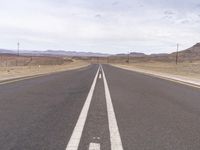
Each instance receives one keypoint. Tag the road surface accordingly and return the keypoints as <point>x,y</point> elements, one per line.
<point>99,108</point>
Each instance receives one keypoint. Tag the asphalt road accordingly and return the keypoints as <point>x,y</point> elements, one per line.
<point>97,108</point>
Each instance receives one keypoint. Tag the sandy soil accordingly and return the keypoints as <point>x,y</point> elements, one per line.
<point>7,73</point>
<point>186,72</point>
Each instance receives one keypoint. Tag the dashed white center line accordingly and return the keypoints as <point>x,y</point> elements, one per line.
<point>94,146</point>
<point>100,76</point>
<point>115,139</point>
<point>98,138</point>
<point>78,129</point>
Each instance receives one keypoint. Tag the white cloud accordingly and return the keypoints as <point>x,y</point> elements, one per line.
<point>104,26</point>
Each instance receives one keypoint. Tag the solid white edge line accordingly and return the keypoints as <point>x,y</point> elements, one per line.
<point>94,146</point>
<point>115,139</point>
<point>161,77</point>
<point>78,129</point>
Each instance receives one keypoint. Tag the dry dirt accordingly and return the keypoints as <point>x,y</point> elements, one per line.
<point>188,72</point>
<point>12,72</point>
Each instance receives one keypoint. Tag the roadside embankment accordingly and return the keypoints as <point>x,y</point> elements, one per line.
<point>12,72</point>
<point>185,72</point>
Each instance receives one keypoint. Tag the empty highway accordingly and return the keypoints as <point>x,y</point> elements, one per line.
<point>99,107</point>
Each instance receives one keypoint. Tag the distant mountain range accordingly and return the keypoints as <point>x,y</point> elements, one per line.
<point>6,51</point>
<point>54,53</point>
<point>192,53</point>
<point>133,54</point>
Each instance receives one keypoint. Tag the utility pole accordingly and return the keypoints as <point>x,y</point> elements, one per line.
<point>18,48</point>
<point>128,61</point>
<point>177,54</point>
<point>193,49</point>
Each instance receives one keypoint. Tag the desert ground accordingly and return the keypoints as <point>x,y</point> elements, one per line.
<point>186,69</point>
<point>187,66</point>
<point>188,72</point>
<point>16,67</point>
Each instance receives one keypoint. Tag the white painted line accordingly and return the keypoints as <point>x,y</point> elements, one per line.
<point>20,79</point>
<point>165,77</point>
<point>78,129</point>
<point>94,146</point>
<point>100,76</point>
<point>115,139</point>
<point>98,138</point>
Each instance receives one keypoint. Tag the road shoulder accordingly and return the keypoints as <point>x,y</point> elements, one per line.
<point>175,78</point>
<point>41,71</point>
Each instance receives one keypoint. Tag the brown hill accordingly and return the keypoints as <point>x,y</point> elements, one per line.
<point>190,54</point>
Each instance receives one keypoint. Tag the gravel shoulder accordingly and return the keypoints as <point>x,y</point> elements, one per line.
<point>188,73</point>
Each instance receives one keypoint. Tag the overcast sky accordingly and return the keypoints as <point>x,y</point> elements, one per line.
<point>108,26</point>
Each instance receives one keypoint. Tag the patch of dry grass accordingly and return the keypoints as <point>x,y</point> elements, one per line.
<point>23,71</point>
<point>185,69</point>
